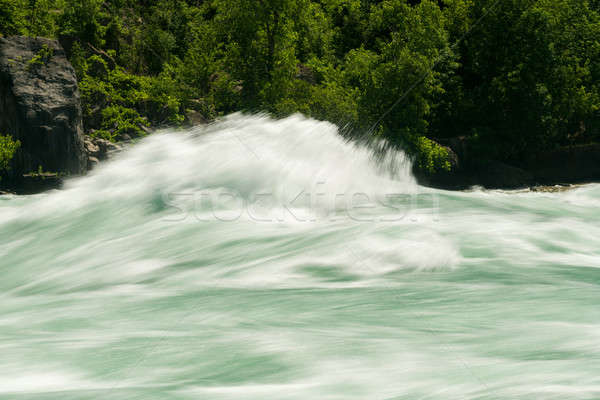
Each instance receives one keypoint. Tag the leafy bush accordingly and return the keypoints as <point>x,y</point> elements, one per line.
<point>118,121</point>
<point>431,157</point>
<point>8,148</point>
<point>116,103</point>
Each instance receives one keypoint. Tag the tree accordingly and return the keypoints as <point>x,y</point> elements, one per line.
<point>80,19</point>
<point>530,75</point>
<point>399,91</point>
<point>261,46</point>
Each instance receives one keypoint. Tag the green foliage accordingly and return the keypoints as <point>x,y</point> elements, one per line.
<point>8,148</point>
<point>260,47</point>
<point>12,18</point>
<point>81,19</point>
<point>431,157</point>
<point>531,75</point>
<point>42,17</point>
<point>116,102</point>
<point>41,57</point>
<point>515,76</point>
<point>29,17</point>
<point>117,121</point>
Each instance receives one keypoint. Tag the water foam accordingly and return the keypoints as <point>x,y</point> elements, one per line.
<point>121,292</point>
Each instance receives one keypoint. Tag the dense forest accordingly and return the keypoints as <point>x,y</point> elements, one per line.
<point>512,76</point>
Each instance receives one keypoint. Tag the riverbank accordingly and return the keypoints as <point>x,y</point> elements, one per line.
<point>41,109</point>
<point>557,171</point>
<point>563,166</point>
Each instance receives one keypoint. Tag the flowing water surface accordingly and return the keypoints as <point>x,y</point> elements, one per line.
<point>263,259</point>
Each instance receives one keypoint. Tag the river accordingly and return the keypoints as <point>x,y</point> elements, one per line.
<point>271,259</point>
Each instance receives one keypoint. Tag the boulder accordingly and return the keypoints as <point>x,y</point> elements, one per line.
<point>98,150</point>
<point>91,148</point>
<point>107,148</point>
<point>92,162</point>
<point>497,175</point>
<point>40,106</point>
<point>193,118</point>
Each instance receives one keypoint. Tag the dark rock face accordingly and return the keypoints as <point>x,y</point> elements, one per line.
<point>467,171</point>
<point>40,106</point>
<point>36,183</point>
<point>564,165</point>
<point>495,174</point>
<point>579,163</point>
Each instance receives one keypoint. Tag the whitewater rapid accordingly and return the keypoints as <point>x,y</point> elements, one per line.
<point>272,259</point>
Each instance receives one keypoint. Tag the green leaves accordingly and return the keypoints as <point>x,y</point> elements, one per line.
<point>517,76</point>
<point>12,17</point>
<point>8,148</point>
<point>529,69</point>
<point>260,49</point>
<point>81,19</point>
<point>40,58</point>
<point>116,102</point>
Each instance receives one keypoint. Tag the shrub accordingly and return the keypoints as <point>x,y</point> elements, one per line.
<point>431,157</point>
<point>116,102</point>
<point>8,148</point>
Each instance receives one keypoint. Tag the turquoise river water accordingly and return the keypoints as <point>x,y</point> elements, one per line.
<point>264,259</point>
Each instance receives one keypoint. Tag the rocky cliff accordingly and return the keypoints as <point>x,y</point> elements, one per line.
<point>40,107</point>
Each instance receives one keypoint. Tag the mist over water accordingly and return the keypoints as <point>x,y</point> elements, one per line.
<point>271,259</point>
